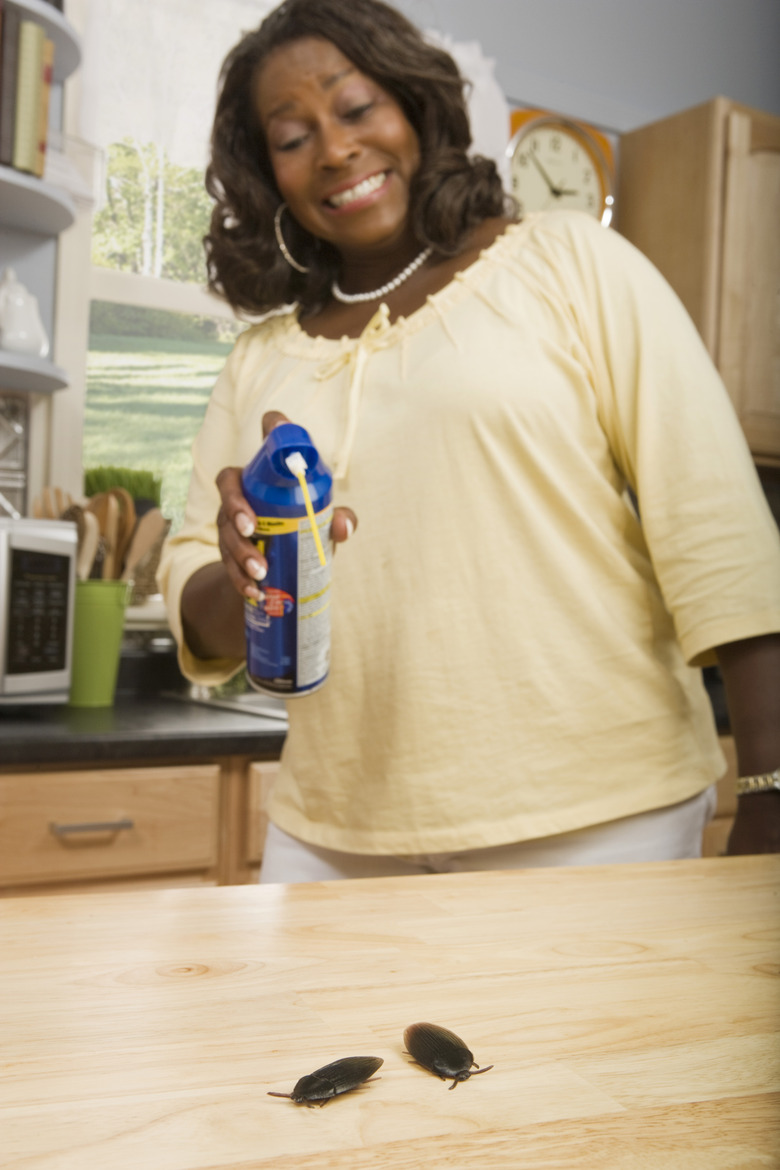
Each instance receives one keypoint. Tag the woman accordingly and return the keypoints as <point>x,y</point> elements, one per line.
<point>514,659</point>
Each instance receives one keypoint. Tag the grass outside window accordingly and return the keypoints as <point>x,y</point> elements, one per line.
<point>146,397</point>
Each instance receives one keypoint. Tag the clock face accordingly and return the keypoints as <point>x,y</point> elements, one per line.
<point>554,164</point>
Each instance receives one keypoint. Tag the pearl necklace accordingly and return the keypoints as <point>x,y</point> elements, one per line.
<point>357,298</point>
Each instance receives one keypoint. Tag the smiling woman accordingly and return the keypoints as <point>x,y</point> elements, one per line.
<point>343,87</point>
<point>493,396</point>
<point>318,112</point>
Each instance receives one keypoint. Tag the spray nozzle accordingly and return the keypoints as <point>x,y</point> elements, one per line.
<point>298,466</point>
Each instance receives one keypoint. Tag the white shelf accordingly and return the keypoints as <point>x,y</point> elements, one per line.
<point>29,374</point>
<point>67,49</point>
<point>30,204</point>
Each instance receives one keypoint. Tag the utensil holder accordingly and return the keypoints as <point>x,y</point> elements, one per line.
<point>97,641</point>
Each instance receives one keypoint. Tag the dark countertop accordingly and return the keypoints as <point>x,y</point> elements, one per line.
<point>164,727</point>
<point>132,730</point>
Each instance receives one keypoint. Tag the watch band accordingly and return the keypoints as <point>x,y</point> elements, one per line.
<point>763,782</point>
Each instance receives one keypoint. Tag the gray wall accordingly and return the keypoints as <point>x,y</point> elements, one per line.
<point>619,63</point>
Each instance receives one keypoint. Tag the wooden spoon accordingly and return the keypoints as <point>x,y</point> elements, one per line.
<point>75,515</point>
<point>148,531</point>
<point>89,547</point>
<point>111,536</point>
<point>62,500</point>
<point>126,528</point>
<point>88,534</point>
<point>50,509</point>
<point>117,508</point>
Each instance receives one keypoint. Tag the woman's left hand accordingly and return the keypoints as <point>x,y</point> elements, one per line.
<point>756,827</point>
<point>751,676</point>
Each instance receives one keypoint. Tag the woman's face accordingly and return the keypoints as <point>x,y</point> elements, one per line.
<point>342,151</point>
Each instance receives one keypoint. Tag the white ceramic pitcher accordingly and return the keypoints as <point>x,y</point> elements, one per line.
<point>21,328</point>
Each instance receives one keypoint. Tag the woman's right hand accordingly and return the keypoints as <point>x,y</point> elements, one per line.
<point>245,566</point>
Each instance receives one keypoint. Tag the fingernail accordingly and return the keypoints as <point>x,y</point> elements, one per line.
<point>256,570</point>
<point>244,524</point>
<point>350,526</point>
<point>254,594</point>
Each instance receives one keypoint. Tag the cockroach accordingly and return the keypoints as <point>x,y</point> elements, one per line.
<point>341,1076</point>
<point>441,1052</point>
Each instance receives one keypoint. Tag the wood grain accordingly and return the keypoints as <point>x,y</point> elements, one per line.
<point>631,1014</point>
<point>749,338</point>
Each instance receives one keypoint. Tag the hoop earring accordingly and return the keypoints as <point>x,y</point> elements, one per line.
<point>280,240</point>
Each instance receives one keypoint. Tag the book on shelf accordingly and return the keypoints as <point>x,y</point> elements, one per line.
<point>44,100</point>
<point>32,40</point>
<point>9,61</point>
<point>26,75</point>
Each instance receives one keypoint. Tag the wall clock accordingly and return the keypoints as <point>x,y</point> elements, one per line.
<point>555,162</point>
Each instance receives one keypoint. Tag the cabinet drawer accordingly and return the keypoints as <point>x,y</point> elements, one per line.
<point>64,826</point>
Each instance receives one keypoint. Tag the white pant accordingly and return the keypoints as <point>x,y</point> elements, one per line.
<point>664,834</point>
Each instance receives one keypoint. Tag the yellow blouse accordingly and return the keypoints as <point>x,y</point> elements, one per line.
<point>513,653</point>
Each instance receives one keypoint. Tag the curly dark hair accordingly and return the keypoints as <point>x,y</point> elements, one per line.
<point>451,192</point>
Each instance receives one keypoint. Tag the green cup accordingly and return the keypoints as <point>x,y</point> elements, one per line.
<point>97,641</point>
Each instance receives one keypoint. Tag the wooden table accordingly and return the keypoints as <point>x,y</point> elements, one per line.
<point>631,1014</point>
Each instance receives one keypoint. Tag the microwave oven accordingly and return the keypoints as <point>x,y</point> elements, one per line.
<point>37,604</point>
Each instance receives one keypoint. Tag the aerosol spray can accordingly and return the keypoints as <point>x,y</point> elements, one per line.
<point>290,491</point>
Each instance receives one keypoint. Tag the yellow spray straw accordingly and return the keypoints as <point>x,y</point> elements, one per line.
<point>297,465</point>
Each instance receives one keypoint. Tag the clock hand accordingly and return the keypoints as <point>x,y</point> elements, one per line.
<point>553,189</point>
<point>556,192</point>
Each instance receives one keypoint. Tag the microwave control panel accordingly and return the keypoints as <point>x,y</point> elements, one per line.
<point>37,632</point>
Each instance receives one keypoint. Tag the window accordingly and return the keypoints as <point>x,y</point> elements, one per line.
<point>149,376</point>
<point>157,339</point>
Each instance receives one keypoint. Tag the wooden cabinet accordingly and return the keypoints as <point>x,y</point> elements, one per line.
<point>146,825</point>
<point>261,779</point>
<point>119,823</point>
<point>699,194</point>
<point>716,834</point>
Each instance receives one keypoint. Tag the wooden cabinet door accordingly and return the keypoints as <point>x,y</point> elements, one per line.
<point>699,194</point>
<point>261,780</point>
<point>716,833</point>
<point>669,205</point>
<point>748,354</point>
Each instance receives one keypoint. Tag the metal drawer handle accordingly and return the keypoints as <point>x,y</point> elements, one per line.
<point>91,827</point>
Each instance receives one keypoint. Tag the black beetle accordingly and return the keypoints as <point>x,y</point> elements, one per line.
<point>441,1052</point>
<point>332,1080</point>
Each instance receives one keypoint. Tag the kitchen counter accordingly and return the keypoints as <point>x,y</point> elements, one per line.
<point>133,730</point>
<point>148,722</point>
<point>630,1014</point>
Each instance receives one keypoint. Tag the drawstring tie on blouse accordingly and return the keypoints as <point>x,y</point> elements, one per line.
<point>356,356</point>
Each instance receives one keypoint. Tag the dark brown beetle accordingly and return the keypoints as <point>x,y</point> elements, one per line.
<point>332,1080</point>
<point>441,1052</point>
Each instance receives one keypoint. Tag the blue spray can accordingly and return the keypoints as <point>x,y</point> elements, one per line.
<point>288,632</point>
